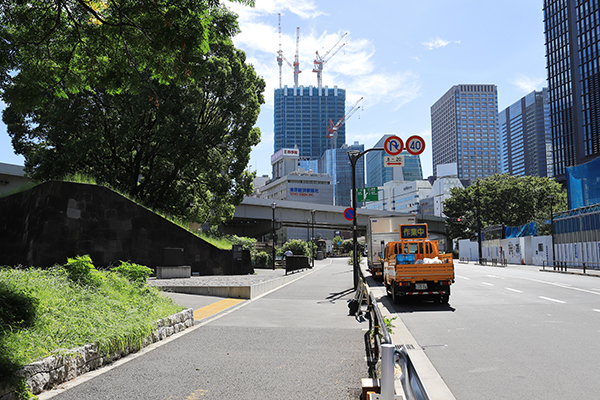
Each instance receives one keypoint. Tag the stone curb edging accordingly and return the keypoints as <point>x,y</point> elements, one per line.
<point>59,368</point>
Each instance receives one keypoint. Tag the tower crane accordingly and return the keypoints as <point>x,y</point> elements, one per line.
<point>320,61</point>
<point>332,129</point>
<point>281,58</point>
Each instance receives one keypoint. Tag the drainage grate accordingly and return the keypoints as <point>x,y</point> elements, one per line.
<point>408,347</point>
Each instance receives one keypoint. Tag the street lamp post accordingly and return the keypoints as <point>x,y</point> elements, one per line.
<point>551,198</point>
<point>312,213</point>
<point>354,156</point>
<point>273,205</point>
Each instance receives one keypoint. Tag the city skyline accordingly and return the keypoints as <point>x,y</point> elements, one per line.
<point>400,57</point>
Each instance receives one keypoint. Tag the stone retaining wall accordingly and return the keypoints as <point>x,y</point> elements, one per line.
<point>64,366</point>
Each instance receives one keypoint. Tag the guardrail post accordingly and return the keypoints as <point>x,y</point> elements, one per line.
<point>387,372</point>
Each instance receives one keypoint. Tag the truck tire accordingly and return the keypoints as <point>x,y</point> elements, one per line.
<point>445,298</point>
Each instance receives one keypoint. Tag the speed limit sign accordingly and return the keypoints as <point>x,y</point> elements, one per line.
<point>415,145</point>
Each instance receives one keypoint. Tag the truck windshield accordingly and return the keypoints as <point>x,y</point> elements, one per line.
<point>413,248</point>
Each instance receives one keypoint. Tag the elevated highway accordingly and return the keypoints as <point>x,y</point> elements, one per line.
<point>253,217</point>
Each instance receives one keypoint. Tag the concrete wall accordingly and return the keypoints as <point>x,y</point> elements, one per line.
<point>55,220</point>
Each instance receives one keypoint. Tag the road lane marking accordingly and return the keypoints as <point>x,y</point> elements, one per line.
<point>513,290</point>
<point>488,284</point>
<point>549,299</point>
<point>463,277</point>
<point>558,284</point>
<point>595,309</point>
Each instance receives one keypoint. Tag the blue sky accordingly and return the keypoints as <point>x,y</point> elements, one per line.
<point>400,55</point>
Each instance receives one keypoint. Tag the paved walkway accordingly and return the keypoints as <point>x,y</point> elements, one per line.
<point>294,342</point>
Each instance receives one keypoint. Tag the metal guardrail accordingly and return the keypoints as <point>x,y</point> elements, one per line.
<point>411,382</point>
<point>557,265</point>
<point>494,262</point>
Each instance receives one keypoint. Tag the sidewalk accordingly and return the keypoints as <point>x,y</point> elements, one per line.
<point>295,342</point>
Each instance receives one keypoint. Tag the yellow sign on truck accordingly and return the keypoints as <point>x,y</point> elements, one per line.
<point>414,267</point>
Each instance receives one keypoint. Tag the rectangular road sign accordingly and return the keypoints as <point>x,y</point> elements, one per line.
<point>393,161</point>
<point>367,194</point>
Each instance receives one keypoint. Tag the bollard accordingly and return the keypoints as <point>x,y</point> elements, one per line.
<point>387,372</point>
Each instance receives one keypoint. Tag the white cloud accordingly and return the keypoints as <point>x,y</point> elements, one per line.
<point>436,43</point>
<point>304,9</point>
<point>527,84</point>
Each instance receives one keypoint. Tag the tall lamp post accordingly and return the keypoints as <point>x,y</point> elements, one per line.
<point>551,198</point>
<point>273,205</point>
<point>354,156</point>
<point>312,214</point>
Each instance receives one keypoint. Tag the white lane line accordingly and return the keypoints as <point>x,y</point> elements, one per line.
<point>564,286</point>
<point>513,290</point>
<point>488,284</point>
<point>549,299</point>
<point>595,309</point>
<point>463,277</point>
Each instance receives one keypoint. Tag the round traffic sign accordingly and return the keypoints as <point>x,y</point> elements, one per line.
<point>415,145</point>
<point>393,145</point>
<point>349,213</point>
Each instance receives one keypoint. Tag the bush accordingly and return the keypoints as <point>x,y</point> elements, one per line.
<point>134,272</point>
<point>81,270</point>
<point>297,247</point>
<point>262,259</point>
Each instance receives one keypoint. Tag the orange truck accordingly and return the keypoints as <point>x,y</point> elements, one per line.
<point>414,268</point>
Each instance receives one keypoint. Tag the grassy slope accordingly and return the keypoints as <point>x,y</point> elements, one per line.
<point>117,315</point>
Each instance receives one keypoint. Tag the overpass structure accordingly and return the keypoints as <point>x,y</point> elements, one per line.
<point>254,218</point>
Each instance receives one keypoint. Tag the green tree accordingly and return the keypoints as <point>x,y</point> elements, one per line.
<point>502,200</point>
<point>71,45</point>
<point>180,149</point>
<point>297,247</point>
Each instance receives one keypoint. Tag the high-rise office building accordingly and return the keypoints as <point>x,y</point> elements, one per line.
<point>378,173</point>
<point>464,130</point>
<point>302,116</point>
<point>572,29</point>
<point>336,163</point>
<point>526,140</point>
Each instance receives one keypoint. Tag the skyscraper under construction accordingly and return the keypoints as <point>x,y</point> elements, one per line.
<point>302,116</point>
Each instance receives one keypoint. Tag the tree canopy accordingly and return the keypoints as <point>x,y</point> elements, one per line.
<point>181,148</point>
<point>71,45</point>
<point>502,200</point>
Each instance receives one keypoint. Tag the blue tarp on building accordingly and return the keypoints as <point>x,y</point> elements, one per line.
<point>529,229</point>
<point>583,184</point>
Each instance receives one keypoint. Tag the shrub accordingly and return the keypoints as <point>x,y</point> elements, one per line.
<point>298,247</point>
<point>262,258</point>
<point>134,272</point>
<point>81,270</point>
<point>17,308</point>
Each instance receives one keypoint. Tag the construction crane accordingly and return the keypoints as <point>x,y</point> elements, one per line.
<point>320,61</point>
<point>332,129</point>
<point>281,58</point>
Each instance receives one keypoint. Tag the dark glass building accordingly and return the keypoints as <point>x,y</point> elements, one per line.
<point>572,29</point>
<point>302,116</point>
<point>525,136</point>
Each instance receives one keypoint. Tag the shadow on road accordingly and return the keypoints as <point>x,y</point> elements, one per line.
<point>414,305</point>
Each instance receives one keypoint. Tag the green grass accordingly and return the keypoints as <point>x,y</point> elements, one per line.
<point>115,316</point>
<point>220,242</point>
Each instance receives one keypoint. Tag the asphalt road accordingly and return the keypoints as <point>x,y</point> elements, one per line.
<point>513,333</point>
<point>296,342</point>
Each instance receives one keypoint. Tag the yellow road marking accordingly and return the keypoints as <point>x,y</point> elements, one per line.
<point>214,308</point>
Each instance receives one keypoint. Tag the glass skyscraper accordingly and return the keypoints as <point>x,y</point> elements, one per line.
<point>336,163</point>
<point>525,136</point>
<point>302,116</point>
<point>572,29</point>
<point>464,131</point>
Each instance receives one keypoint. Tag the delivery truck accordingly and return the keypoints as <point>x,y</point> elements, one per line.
<point>414,268</point>
<point>381,230</point>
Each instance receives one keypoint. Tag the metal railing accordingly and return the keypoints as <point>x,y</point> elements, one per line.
<point>411,383</point>
<point>494,262</point>
<point>557,265</point>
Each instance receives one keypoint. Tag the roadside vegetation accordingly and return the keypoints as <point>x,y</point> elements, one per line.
<point>45,312</point>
